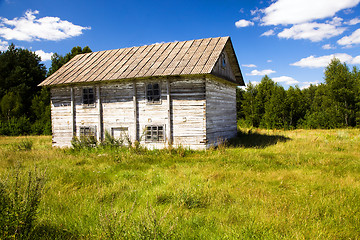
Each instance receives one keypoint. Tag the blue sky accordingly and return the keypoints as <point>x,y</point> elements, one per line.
<point>290,40</point>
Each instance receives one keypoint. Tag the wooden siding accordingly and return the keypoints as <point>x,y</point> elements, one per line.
<point>186,109</point>
<point>188,113</point>
<point>220,111</point>
<point>221,71</point>
<point>61,117</point>
<point>118,107</point>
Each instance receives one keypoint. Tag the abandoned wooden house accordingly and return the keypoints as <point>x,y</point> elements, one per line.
<point>179,93</point>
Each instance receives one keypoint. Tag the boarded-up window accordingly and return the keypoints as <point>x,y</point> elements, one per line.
<point>119,133</point>
<point>154,133</point>
<point>88,96</point>
<point>153,92</point>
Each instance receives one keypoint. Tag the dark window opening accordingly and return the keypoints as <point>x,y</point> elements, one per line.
<point>154,133</point>
<point>223,60</point>
<point>87,132</point>
<point>153,92</point>
<point>88,96</point>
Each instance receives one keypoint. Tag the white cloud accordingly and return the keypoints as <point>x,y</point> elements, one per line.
<point>256,11</point>
<point>356,60</point>
<point>336,21</point>
<point>286,80</point>
<point>353,21</point>
<point>3,45</point>
<point>307,84</point>
<point>254,83</point>
<point>328,46</point>
<point>323,61</point>
<point>260,73</point>
<point>249,65</point>
<point>283,12</point>
<point>28,28</point>
<point>269,61</point>
<point>44,56</point>
<point>354,38</point>
<point>268,33</point>
<point>243,23</point>
<point>314,32</point>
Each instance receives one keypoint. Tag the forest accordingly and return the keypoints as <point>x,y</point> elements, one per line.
<point>332,104</point>
<point>25,107</point>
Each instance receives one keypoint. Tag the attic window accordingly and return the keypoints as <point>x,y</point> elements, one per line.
<point>153,92</point>
<point>222,60</point>
<point>88,96</point>
<point>154,134</point>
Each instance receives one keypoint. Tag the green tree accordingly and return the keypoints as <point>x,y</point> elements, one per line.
<point>322,113</point>
<point>295,106</point>
<point>239,99</point>
<point>11,105</point>
<point>249,104</point>
<point>342,90</point>
<point>20,72</point>
<point>41,112</point>
<point>355,74</point>
<point>275,109</point>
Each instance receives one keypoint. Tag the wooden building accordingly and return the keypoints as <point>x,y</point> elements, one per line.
<point>179,93</point>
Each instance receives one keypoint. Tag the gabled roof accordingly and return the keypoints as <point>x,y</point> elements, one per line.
<point>165,59</point>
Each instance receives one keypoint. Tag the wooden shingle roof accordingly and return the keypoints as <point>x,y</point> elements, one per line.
<point>166,59</point>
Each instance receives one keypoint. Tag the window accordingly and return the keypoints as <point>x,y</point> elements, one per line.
<point>87,132</point>
<point>223,60</point>
<point>88,96</point>
<point>119,132</point>
<point>154,133</point>
<point>153,92</point>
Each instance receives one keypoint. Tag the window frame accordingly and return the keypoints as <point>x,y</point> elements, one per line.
<point>153,95</point>
<point>83,94</point>
<point>223,62</point>
<point>155,138</point>
<point>124,131</point>
<point>88,132</point>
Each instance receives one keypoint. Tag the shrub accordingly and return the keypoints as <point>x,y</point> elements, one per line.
<point>83,142</point>
<point>24,145</point>
<point>19,201</point>
<point>15,126</point>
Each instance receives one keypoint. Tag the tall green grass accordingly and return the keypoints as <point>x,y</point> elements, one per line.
<point>301,184</point>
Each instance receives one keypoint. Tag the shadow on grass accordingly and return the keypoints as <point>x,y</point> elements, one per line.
<point>52,232</point>
<point>252,139</point>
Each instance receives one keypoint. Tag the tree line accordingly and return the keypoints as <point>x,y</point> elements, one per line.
<point>332,104</point>
<point>25,107</point>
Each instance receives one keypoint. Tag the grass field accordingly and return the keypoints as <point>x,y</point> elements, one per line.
<point>301,184</point>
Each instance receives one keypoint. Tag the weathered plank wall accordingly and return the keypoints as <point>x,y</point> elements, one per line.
<point>221,71</point>
<point>151,113</point>
<point>86,116</point>
<point>61,117</point>
<point>220,111</point>
<point>187,112</point>
<point>118,107</point>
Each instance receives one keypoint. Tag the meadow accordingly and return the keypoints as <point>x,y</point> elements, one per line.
<point>265,184</point>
